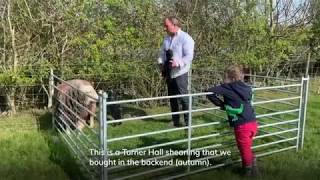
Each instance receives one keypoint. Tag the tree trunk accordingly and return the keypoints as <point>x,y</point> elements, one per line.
<point>10,94</point>
<point>10,100</point>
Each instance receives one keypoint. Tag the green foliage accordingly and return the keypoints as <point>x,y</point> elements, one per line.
<point>118,41</point>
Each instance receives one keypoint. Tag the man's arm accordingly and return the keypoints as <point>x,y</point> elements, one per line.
<point>187,52</point>
<point>162,54</point>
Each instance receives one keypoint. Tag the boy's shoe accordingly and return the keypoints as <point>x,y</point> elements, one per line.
<point>247,171</point>
<point>255,169</point>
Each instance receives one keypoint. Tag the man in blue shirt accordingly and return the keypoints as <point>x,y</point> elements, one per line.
<point>176,55</point>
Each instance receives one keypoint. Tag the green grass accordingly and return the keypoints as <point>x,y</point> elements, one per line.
<point>29,149</point>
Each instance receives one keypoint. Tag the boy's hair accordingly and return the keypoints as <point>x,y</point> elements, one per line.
<point>233,73</point>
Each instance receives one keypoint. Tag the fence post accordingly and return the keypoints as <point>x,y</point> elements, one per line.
<point>189,129</point>
<point>305,99</point>
<point>302,111</point>
<point>101,129</point>
<point>189,81</point>
<point>50,96</point>
<point>51,89</point>
<point>103,132</point>
<point>300,114</point>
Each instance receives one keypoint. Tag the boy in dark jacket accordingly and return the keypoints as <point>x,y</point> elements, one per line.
<point>237,103</point>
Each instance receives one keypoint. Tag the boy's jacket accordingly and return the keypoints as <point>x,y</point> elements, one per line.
<point>237,96</point>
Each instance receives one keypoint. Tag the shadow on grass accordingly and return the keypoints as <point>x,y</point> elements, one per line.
<point>60,153</point>
<point>44,121</point>
<point>62,156</point>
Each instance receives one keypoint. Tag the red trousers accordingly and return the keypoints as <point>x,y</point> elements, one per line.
<point>244,136</point>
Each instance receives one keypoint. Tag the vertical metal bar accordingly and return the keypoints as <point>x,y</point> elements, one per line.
<point>51,89</point>
<point>189,129</point>
<point>300,115</point>
<point>105,138</point>
<point>101,111</point>
<point>306,92</point>
<point>189,81</point>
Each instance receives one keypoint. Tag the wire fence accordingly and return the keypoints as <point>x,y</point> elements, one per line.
<point>137,81</point>
<point>136,148</point>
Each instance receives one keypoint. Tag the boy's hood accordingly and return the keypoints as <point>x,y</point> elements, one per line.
<point>240,88</point>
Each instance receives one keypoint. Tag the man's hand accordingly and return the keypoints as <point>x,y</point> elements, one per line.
<point>174,63</point>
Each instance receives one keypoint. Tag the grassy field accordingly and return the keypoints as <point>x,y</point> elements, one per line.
<point>29,149</point>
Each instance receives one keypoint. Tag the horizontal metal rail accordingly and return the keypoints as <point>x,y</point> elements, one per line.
<point>86,137</point>
<point>160,132</point>
<point>275,142</point>
<point>276,100</point>
<point>146,134</point>
<point>284,91</point>
<point>276,87</point>
<point>156,98</point>
<point>276,78</point>
<point>155,146</point>
<point>184,112</point>
<point>269,109</point>
<point>286,103</point>
<point>275,133</point>
<point>205,125</point>
<point>187,95</point>
<point>146,117</point>
<point>275,127</point>
<point>276,151</point>
<point>277,113</point>
<point>78,117</point>
<point>205,136</point>
<point>278,123</point>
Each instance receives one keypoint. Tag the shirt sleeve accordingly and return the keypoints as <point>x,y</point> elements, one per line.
<point>161,57</point>
<point>187,51</point>
<point>216,90</point>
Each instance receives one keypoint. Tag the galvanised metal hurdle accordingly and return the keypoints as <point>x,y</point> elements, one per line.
<point>281,114</point>
<point>79,141</point>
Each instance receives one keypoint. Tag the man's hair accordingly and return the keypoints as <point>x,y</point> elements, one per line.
<point>234,73</point>
<point>174,20</point>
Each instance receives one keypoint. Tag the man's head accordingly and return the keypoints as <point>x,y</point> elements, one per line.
<point>233,73</point>
<point>171,25</point>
